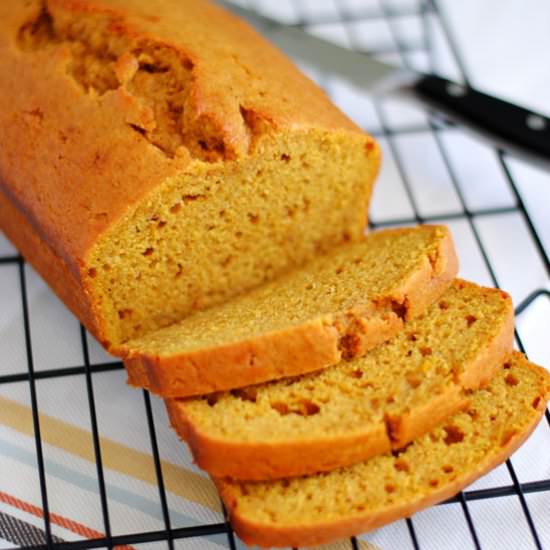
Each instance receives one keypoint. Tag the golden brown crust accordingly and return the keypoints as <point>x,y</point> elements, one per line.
<point>480,372</point>
<point>18,228</point>
<point>406,427</point>
<point>476,375</point>
<point>73,165</point>
<point>234,365</point>
<point>260,461</point>
<point>267,535</point>
<point>311,346</point>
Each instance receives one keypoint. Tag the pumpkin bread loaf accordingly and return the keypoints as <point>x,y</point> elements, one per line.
<point>357,409</point>
<point>338,306</point>
<point>160,157</point>
<point>305,511</point>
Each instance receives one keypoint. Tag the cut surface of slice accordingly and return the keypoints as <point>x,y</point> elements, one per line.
<point>338,306</point>
<point>357,409</point>
<point>324,507</point>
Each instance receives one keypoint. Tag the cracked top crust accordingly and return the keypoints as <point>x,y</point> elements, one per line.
<point>135,92</point>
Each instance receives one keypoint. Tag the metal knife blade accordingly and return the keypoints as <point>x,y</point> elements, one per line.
<point>358,68</point>
<point>511,127</point>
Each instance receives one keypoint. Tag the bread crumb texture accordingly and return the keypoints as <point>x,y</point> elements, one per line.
<point>215,165</point>
<point>402,388</point>
<point>319,508</point>
<point>371,274</point>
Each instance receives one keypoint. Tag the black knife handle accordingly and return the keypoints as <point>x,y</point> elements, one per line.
<point>508,124</point>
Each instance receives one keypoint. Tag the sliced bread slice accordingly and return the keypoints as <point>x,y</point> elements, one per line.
<point>338,306</point>
<point>321,508</point>
<point>354,410</point>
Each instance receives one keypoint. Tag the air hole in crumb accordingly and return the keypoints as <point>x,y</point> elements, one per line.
<point>390,399</point>
<point>176,208</point>
<point>244,489</point>
<point>285,157</point>
<point>443,305</point>
<point>507,366</point>
<point>254,218</point>
<point>389,488</point>
<point>161,224</point>
<point>124,313</point>
<point>356,373</point>
<point>309,286</point>
<point>470,319</point>
<point>212,399</point>
<point>397,452</point>
<point>536,402</point>
<point>92,272</point>
<point>148,251</point>
<point>179,272</point>
<point>339,270</point>
<point>413,379</point>
<point>190,197</point>
<point>281,408</point>
<point>453,434</point>
<point>493,417</point>
<point>448,469</point>
<point>399,308</point>
<point>425,351</point>
<point>412,337</point>
<point>246,394</point>
<point>401,465</point>
<point>304,407</point>
<point>511,380</point>
<point>349,345</point>
<point>434,482</point>
<point>227,261</point>
<point>308,408</point>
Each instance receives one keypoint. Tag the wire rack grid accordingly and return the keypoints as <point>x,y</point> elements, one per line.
<point>408,32</point>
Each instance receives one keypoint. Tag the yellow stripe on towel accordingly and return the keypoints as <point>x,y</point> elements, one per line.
<point>115,456</point>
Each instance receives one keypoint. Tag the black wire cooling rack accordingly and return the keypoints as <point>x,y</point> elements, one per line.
<point>346,16</point>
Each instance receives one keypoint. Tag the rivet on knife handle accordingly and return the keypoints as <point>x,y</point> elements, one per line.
<point>513,126</point>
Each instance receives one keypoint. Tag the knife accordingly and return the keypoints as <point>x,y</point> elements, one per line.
<point>510,127</point>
